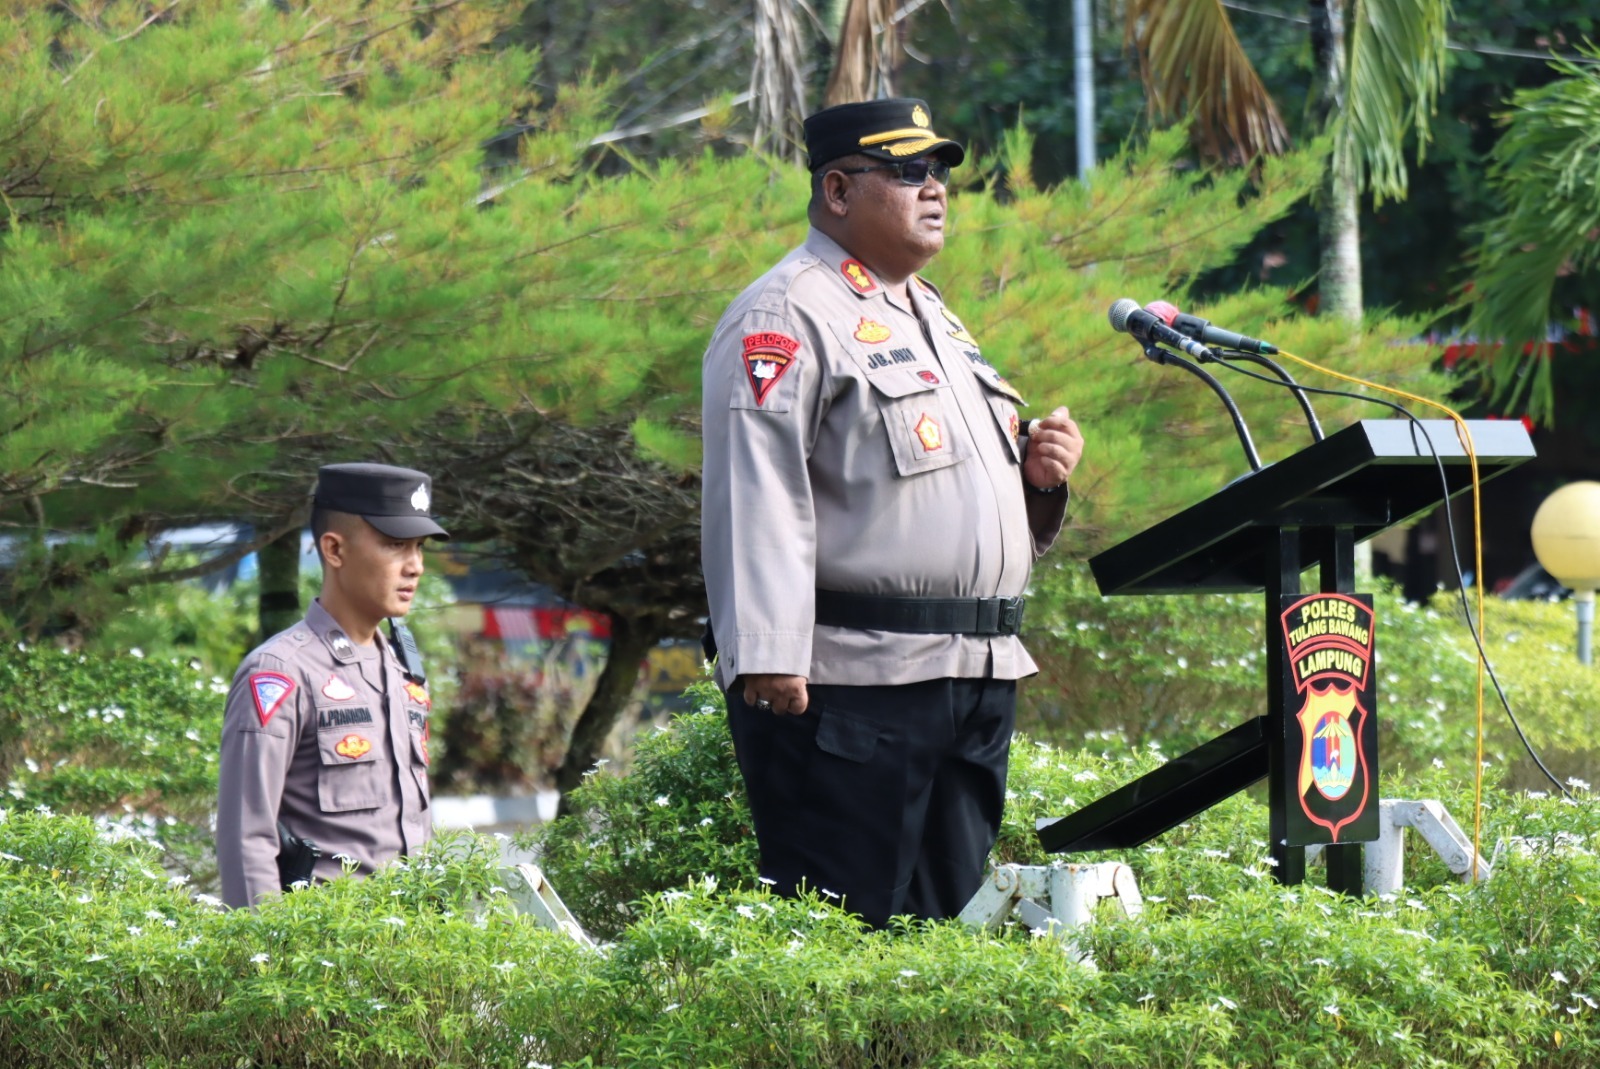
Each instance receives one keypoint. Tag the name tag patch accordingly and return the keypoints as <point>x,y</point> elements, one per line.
<point>331,718</point>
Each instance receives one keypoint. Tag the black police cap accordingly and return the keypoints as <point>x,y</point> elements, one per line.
<point>394,500</point>
<point>898,129</point>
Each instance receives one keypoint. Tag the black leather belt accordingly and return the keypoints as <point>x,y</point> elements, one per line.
<point>929,616</point>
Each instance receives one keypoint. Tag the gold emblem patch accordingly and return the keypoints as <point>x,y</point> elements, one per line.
<point>871,331</point>
<point>352,746</point>
<point>929,432</point>
<point>919,116</point>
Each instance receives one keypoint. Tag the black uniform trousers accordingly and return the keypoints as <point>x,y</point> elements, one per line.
<point>889,796</point>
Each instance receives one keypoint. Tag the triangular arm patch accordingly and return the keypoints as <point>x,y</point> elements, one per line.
<point>269,690</point>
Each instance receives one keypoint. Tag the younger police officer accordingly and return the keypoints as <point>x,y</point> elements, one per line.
<point>326,735</point>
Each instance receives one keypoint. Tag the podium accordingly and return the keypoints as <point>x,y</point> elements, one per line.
<point>1259,533</point>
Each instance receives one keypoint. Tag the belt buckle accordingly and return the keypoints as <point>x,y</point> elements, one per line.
<point>1011,616</point>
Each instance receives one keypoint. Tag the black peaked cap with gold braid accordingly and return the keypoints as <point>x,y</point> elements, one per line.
<point>898,129</point>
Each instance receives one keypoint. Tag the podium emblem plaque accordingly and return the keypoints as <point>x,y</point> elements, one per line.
<point>1333,737</point>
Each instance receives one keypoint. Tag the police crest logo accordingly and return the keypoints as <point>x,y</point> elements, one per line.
<point>871,331</point>
<point>419,498</point>
<point>1016,425</point>
<point>929,433</point>
<point>269,690</point>
<point>928,376</point>
<point>919,116</point>
<point>855,273</point>
<point>1328,645</point>
<point>353,747</point>
<point>767,358</point>
<point>419,694</point>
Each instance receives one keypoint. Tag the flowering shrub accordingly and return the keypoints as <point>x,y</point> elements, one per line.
<point>128,739</point>
<point>105,960</point>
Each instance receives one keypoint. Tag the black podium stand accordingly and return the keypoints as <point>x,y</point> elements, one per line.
<point>1258,534</point>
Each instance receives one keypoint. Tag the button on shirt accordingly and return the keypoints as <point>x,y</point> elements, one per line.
<point>858,444</point>
<point>330,738</point>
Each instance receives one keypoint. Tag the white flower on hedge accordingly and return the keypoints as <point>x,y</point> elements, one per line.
<point>1331,1008</point>
<point>1084,777</point>
<point>827,893</point>
<point>768,882</point>
<point>259,959</point>
<point>908,972</point>
<point>136,652</point>
<point>84,899</point>
<point>504,966</point>
<point>326,964</point>
<point>816,914</point>
<point>1560,977</point>
<point>1415,934</point>
<point>1146,997</point>
<point>671,1007</point>
<point>396,921</point>
<point>1587,1001</point>
<point>95,957</point>
<point>1228,1002</point>
<point>134,929</point>
<point>1201,898</point>
<point>1321,961</point>
<point>1577,784</point>
<point>745,912</point>
<point>705,822</point>
<point>1438,763</point>
<point>155,915</point>
<point>11,857</point>
<point>662,799</point>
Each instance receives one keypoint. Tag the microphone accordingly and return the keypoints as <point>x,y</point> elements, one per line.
<point>1202,331</point>
<point>1128,318</point>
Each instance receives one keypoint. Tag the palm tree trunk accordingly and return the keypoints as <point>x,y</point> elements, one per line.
<point>1338,222</point>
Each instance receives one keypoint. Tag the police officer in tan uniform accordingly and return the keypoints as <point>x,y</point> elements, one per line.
<point>326,731</point>
<point>873,505</point>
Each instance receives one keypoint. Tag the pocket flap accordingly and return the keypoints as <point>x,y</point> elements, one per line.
<point>842,736</point>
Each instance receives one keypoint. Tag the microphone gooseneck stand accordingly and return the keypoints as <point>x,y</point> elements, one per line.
<point>1225,355</point>
<point>1155,353</point>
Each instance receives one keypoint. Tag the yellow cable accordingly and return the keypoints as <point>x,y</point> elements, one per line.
<point>1465,437</point>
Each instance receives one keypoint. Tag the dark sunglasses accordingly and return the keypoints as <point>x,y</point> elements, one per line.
<point>911,172</point>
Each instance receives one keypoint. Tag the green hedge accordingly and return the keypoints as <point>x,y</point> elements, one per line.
<point>104,960</point>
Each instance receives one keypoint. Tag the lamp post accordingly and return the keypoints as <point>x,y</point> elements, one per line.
<point>1566,539</point>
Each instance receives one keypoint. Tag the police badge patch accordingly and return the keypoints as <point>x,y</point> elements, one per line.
<point>768,356</point>
<point>269,689</point>
<point>1328,647</point>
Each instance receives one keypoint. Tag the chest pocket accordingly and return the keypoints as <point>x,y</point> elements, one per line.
<point>417,727</point>
<point>922,421</point>
<point>1003,401</point>
<point>351,777</point>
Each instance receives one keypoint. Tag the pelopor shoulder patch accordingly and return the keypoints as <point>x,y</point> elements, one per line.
<point>269,689</point>
<point>768,356</point>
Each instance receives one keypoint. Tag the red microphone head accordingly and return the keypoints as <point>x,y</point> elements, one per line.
<point>1162,311</point>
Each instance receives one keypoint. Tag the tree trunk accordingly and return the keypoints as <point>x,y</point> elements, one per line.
<point>631,641</point>
<point>279,604</point>
<point>1338,224</point>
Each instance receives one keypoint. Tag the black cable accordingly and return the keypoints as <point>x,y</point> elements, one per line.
<point>1455,555</point>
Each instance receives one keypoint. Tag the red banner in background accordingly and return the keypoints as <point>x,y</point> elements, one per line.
<point>521,624</point>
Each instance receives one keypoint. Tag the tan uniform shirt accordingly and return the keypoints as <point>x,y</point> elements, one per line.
<point>856,444</point>
<point>330,738</point>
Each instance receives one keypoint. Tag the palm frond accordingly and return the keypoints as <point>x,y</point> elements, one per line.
<point>1546,170</point>
<point>1191,60</point>
<point>865,61</point>
<point>1397,53</point>
<point>778,78</point>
